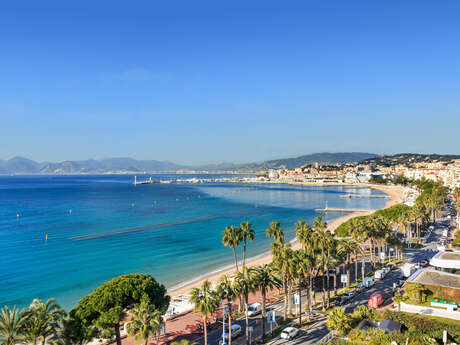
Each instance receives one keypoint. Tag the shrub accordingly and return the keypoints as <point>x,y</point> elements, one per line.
<point>424,325</point>
<point>364,312</point>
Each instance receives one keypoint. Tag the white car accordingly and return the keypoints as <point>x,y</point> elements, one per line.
<point>289,333</point>
<point>254,309</point>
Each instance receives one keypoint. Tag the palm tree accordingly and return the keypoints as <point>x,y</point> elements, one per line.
<point>264,279</point>
<point>360,235</point>
<point>274,230</point>
<point>11,326</point>
<point>44,320</point>
<point>226,291</point>
<point>282,262</point>
<point>303,231</point>
<point>206,301</point>
<point>244,284</point>
<point>231,238</point>
<point>398,298</point>
<point>346,247</point>
<point>146,323</point>
<point>323,240</point>
<point>339,320</point>
<point>304,264</point>
<point>246,234</point>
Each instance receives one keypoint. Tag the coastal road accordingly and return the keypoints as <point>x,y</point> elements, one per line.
<point>319,330</point>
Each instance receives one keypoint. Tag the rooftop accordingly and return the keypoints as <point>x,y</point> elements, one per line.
<point>446,260</point>
<point>438,278</point>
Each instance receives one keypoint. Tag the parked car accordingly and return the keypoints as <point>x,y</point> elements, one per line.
<point>375,300</point>
<point>359,287</point>
<point>368,282</point>
<point>380,274</point>
<point>254,309</point>
<point>236,331</point>
<point>339,301</point>
<point>349,295</point>
<point>289,333</point>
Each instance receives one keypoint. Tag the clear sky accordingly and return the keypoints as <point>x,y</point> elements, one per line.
<point>234,81</point>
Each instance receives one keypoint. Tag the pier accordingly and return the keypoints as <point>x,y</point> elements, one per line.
<point>149,181</point>
<point>341,210</point>
<point>364,196</point>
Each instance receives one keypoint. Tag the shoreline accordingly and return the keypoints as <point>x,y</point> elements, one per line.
<point>394,192</point>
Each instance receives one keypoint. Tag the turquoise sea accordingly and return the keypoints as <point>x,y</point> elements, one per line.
<point>99,227</point>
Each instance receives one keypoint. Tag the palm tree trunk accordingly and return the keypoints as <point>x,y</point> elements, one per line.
<point>246,318</point>
<point>244,254</point>
<point>205,327</point>
<point>117,333</point>
<point>290,298</point>
<point>263,311</point>
<point>324,291</point>
<point>234,256</point>
<point>335,283</point>
<point>363,266</point>
<point>328,290</point>
<point>347,268</point>
<point>300,302</point>
<point>285,299</point>
<point>309,296</point>
<point>229,324</point>
<point>356,266</point>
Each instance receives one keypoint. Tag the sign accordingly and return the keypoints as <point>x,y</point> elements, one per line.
<point>343,278</point>
<point>444,337</point>
<point>250,329</point>
<point>271,316</point>
<point>383,256</point>
<point>296,299</point>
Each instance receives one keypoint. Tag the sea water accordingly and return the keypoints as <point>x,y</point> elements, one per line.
<point>62,236</point>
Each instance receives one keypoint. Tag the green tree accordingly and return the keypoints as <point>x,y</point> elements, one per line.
<point>147,322</point>
<point>103,309</point>
<point>398,298</point>
<point>275,231</point>
<point>246,234</point>
<point>231,238</point>
<point>282,261</point>
<point>226,291</point>
<point>339,321</point>
<point>11,326</point>
<point>206,301</point>
<point>44,321</point>
<point>347,247</point>
<point>264,279</point>
<point>245,284</point>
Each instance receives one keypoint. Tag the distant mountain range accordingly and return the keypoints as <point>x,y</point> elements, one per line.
<point>20,165</point>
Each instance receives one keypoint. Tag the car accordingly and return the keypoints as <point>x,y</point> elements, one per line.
<point>254,309</point>
<point>289,333</point>
<point>359,287</point>
<point>341,300</point>
<point>236,331</point>
<point>350,294</point>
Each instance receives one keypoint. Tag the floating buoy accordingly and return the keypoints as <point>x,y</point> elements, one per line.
<point>17,215</point>
<point>177,199</point>
<point>46,237</point>
<point>70,211</point>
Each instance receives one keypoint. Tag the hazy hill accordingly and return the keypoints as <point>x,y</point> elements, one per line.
<point>408,159</point>
<point>20,165</point>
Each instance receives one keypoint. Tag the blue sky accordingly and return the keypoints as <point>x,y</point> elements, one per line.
<point>227,81</point>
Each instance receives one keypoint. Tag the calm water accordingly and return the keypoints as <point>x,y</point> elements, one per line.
<point>172,231</point>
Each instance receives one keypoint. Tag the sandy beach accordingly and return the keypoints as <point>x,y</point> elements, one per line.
<point>394,192</point>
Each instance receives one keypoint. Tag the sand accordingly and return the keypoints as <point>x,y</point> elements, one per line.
<point>394,192</point>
